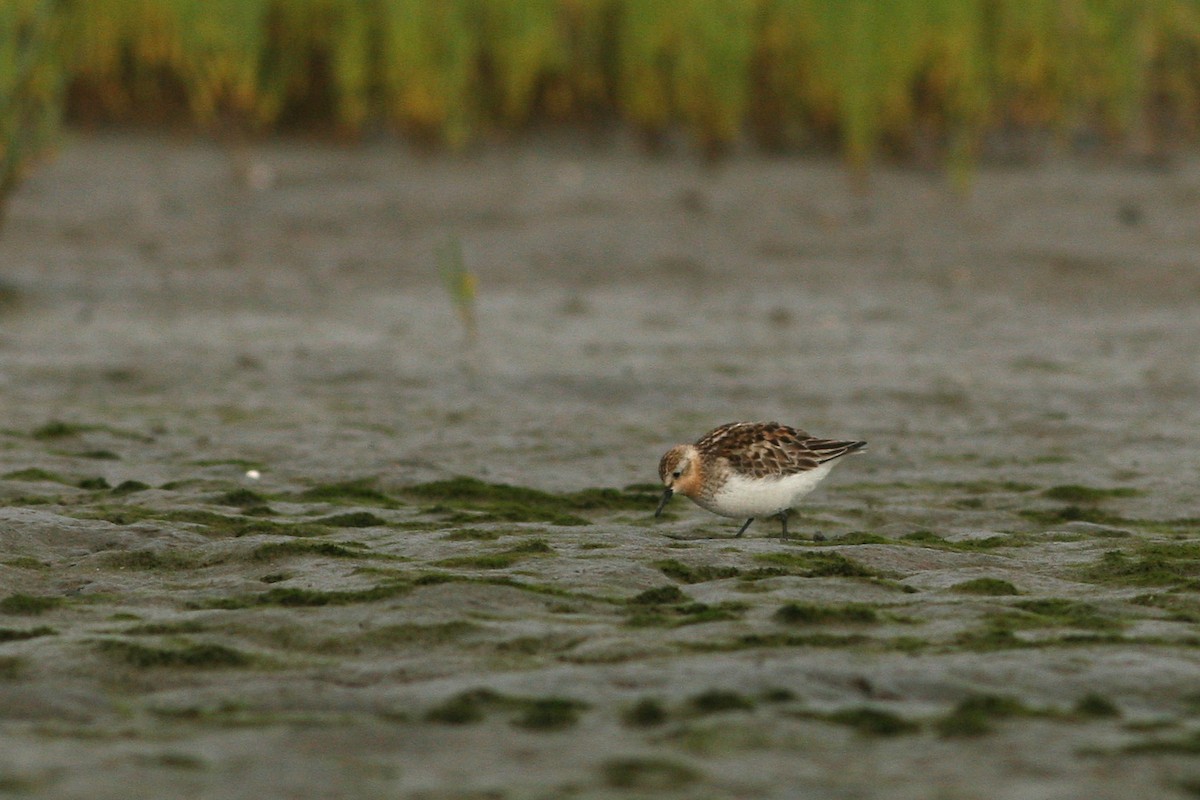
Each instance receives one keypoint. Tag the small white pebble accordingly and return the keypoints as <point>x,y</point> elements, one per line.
<point>253,474</point>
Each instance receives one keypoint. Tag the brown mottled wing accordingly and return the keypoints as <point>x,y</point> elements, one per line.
<point>765,449</point>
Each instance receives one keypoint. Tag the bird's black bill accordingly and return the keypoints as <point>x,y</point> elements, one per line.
<point>663,503</point>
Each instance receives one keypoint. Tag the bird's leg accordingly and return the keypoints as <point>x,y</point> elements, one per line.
<point>743,528</point>
<point>783,515</point>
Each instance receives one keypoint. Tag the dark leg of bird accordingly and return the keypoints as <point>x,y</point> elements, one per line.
<point>743,528</point>
<point>783,515</point>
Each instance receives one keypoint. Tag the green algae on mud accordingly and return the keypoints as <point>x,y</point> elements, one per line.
<point>530,713</point>
<point>993,587</point>
<point>203,656</point>
<point>28,604</point>
<point>469,499</point>
<point>815,614</point>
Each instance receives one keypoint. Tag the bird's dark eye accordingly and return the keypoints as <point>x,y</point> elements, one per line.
<point>676,474</point>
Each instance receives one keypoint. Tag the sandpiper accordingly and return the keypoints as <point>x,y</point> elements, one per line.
<point>750,469</point>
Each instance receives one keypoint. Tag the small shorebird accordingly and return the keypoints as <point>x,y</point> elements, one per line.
<point>750,469</point>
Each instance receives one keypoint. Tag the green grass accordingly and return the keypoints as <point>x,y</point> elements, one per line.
<point>861,79</point>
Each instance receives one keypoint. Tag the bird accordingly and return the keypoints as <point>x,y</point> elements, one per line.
<point>750,470</point>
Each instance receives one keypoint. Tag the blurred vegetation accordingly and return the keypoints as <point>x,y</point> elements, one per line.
<point>30,83</point>
<point>926,79</point>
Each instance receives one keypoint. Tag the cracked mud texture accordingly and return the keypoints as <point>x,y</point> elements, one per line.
<point>446,581</point>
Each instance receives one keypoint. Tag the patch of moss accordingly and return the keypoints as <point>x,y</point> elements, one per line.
<point>96,484</point>
<point>16,635</point>
<point>99,455</point>
<point>356,492</point>
<point>129,487</point>
<point>659,596</point>
<point>464,708</point>
<point>11,668</point>
<point>1179,608</point>
<point>714,701</point>
<point>992,587</point>
<point>990,637</point>
<point>1157,566</point>
<point>702,573</point>
<point>869,721</point>
<point>974,714</point>
<point>35,475</point>
<point>931,539</point>
<point>679,615</point>
<point>165,628</point>
<point>1096,706</point>
<point>470,499</point>
<point>814,614</point>
<point>240,498</point>
<point>819,564</point>
<point>403,634</point>
<point>645,713</point>
<point>647,774</point>
<point>200,656</point>
<point>289,597</point>
<point>300,548</point>
<point>1073,513</point>
<point>531,713</point>
<point>354,519</point>
<point>754,641</point>
<point>854,537</point>
<point>472,535</point>
<point>549,714</point>
<point>631,498</point>
<point>1183,745</point>
<point>151,560</point>
<point>25,562</point>
<point>1074,493</point>
<point>57,429</point>
<point>501,560</point>
<point>1060,612</point>
<point>28,605</point>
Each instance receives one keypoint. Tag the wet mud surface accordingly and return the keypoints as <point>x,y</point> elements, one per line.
<point>271,526</point>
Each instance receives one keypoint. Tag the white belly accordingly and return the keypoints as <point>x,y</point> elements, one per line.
<point>761,497</point>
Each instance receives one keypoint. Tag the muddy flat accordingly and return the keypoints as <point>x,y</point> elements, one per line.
<point>273,525</point>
